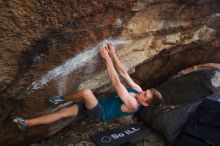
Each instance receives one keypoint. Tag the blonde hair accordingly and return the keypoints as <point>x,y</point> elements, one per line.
<point>157,98</point>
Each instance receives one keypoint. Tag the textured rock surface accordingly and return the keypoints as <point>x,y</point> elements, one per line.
<point>49,48</point>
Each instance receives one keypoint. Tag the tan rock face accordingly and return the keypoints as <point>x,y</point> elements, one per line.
<point>49,48</point>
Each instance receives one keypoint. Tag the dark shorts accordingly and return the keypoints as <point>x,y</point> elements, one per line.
<point>94,113</point>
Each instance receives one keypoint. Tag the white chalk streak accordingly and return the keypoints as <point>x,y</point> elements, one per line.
<point>216,79</point>
<point>72,64</point>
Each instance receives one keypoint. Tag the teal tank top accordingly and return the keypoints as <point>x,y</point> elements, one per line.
<point>112,106</point>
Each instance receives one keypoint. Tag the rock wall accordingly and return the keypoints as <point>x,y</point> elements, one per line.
<point>49,48</point>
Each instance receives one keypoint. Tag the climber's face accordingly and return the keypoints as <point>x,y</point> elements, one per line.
<point>144,97</point>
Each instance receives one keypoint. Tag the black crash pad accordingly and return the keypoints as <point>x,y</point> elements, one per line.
<point>130,133</point>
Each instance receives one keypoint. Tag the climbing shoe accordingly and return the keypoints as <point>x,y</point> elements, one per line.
<point>20,122</point>
<point>55,100</point>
